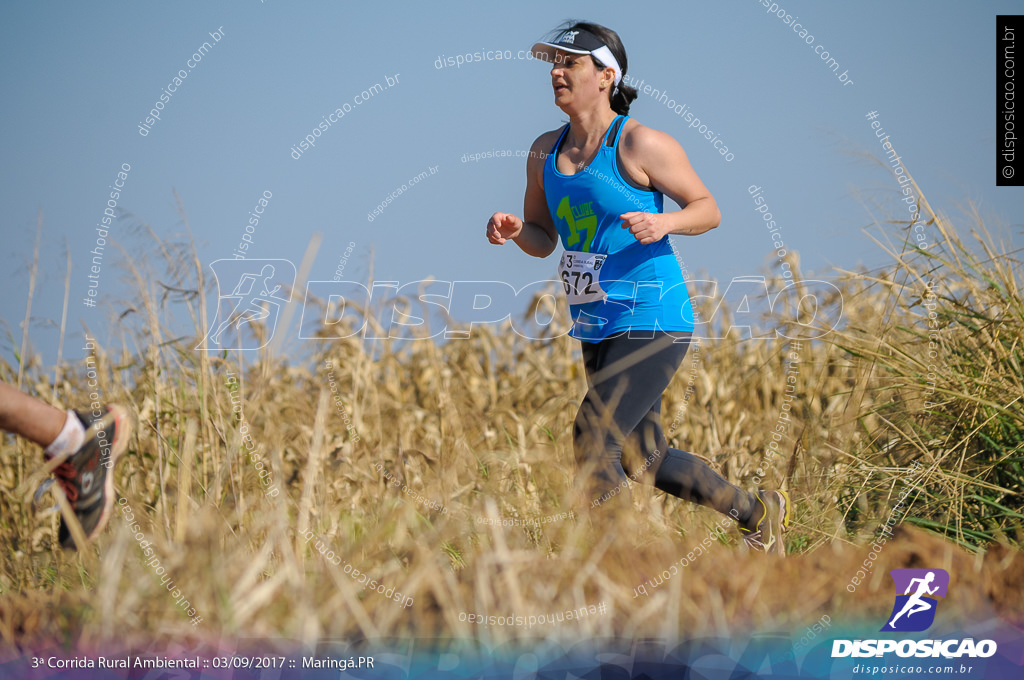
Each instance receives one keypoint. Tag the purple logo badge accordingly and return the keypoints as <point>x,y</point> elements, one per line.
<point>916,593</point>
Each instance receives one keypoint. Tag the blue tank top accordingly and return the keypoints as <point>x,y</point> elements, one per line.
<point>644,284</point>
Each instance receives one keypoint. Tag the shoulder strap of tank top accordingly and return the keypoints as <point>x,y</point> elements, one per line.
<point>615,130</point>
<point>613,142</point>
<point>554,149</point>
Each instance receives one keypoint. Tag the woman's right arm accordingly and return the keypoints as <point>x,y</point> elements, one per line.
<point>536,234</point>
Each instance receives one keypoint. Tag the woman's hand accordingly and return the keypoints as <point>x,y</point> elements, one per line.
<point>503,227</point>
<point>645,227</point>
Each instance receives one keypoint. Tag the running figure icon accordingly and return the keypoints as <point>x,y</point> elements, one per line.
<point>918,592</point>
<point>915,603</point>
<point>259,306</point>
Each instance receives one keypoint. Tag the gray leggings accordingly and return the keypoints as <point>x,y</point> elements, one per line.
<point>622,409</point>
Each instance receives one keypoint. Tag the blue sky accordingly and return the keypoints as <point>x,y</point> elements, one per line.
<point>79,79</point>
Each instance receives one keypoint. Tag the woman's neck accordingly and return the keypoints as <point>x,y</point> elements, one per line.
<point>586,128</point>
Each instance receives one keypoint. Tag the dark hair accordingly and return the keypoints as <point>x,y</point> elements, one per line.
<point>620,101</point>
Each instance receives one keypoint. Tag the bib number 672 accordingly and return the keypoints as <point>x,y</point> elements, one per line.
<point>580,275</point>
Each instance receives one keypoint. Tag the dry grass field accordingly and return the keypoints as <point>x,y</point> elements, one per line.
<point>444,443</point>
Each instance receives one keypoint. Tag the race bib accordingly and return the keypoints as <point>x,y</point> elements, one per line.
<point>581,276</point>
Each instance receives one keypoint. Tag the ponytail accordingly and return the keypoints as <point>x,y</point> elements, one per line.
<point>623,98</point>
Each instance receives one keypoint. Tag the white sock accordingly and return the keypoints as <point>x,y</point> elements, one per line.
<point>70,439</point>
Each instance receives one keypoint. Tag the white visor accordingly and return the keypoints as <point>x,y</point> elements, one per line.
<point>580,42</point>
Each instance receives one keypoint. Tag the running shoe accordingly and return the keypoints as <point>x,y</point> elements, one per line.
<point>86,476</point>
<point>766,536</point>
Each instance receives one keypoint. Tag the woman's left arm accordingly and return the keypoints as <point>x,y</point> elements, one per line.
<point>663,160</point>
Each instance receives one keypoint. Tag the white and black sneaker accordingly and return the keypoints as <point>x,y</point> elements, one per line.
<point>86,475</point>
<point>766,535</point>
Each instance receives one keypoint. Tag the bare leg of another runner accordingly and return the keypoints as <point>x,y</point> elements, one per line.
<point>86,444</point>
<point>29,417</point>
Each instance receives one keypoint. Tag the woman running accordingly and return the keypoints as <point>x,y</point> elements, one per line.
<point>598,184</point>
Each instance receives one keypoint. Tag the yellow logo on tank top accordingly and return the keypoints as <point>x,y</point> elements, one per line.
<point>581,220</point>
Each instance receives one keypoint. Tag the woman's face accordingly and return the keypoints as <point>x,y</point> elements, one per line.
<point>576,81</point>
